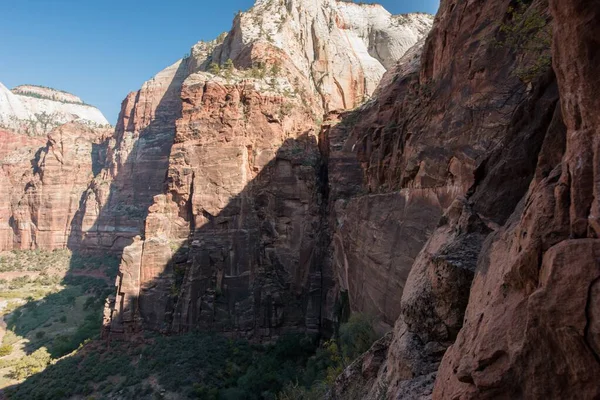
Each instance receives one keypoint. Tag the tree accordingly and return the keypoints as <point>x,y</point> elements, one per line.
<point>214,68</point>
<point>228,68</point>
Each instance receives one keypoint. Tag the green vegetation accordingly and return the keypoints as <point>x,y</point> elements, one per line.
<point>198,366</point>
<point>51,349</point>
<point>53,304</point>
<point>31,364</point>
<point>528,32</point>
<point>6,349</point>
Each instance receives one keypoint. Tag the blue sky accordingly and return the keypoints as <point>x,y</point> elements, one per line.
<point>101,50</point>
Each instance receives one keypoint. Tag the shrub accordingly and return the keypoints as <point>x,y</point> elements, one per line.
<point>527,31</point>
<point>214,68</point>
<point>5,350</point>
<point>31,364</point>
<point>357,335</point>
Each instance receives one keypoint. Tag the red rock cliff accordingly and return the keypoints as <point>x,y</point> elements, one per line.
<point>500,302</point>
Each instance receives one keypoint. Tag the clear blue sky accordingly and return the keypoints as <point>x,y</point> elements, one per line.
<point>101,50</point>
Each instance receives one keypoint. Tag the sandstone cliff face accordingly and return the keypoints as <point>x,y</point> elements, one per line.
<point>236,240</point>
<point>343,48</point>
<point>459,205</point>
<point>508,250</point>
<point>37,110</point>
<point>413,150</point>
<point>43,179</point>
<point>117,200</point>
<point>17,153</point>
<point>531,327</point>
<point>44,184</point>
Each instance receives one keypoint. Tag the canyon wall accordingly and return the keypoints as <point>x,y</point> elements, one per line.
<point>500,302</point>
<point>236,239</point>
<point>445,184</point>
<point>52,145</point>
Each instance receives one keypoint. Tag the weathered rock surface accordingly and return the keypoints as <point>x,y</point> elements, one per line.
<point>36,110</point>
<point>531,325</point>
<point>17,154</point>
<point>459,205</point>
<point>116,203</point>
<point>343,48</point>
<point>419,140</point>
<point>45,184</point>
<point>234,242</point>
<point>499,247</point>
<point>43,179</point>
<point>232,245</point>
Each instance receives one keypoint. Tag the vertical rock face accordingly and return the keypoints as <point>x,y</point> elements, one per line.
<point>43,179</point>
<point>43,182</point>
<point>458,205</point>
<point>62,170</point>
<point>399,162</point>
<point>117,201</point>
<point>17,153</point>
<point>236,240</point>
<point>531,325</point>
<point>507,280</point>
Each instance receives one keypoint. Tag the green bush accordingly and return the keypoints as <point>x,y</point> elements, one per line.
<point>31,364</point>
<point>5,349</point>
<point>357,335</point>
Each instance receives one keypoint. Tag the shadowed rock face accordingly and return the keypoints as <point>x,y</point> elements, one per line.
<point>459,205</point>
<point>508,278</point>
<point>233,245</point>
<point>235,240</point>
<point>114,206</point>
<point>434,126</point>
<point>531,327</point>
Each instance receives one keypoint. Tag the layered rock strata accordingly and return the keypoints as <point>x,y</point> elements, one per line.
<point>507,278</point>
<point>236,240</point>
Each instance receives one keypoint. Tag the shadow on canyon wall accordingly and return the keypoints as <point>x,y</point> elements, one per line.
<point>97,240</point>
<point>257,269</point>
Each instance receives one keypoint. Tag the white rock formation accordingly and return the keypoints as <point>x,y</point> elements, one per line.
<point>343,48</point>
<point>12,109</point>
<point>37,110</point>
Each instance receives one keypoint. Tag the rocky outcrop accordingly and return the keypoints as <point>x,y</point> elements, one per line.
<point>36,110</point>
<point>343,48</point>
<point>499,142</point>
<point>531,328</point>
<point>46,184</point>
<point>235,242</point>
